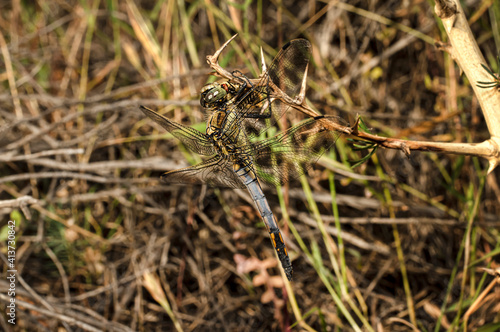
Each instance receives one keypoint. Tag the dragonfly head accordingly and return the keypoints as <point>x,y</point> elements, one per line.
<point>213,94</point>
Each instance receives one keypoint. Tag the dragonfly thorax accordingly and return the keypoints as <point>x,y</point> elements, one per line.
<point>224,139</point>
<point>215,123</point>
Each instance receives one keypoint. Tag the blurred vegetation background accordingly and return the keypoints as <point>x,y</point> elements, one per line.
<point>394,244</point>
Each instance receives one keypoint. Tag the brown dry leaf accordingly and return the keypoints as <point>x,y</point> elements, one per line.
<point>267,296</point>
<point>152,284</point>
<point>253,263</point>
<point>276,282</point>
<point>246,265</point>
<point>261,279</point>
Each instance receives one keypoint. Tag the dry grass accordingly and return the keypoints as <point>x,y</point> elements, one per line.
<point>109,247</point>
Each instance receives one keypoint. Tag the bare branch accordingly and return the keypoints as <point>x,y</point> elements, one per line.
<point>20,202</point>
<point>24,200</point>
<point>11,157</point>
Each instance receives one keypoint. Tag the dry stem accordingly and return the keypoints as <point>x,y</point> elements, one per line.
<point>466,53</point>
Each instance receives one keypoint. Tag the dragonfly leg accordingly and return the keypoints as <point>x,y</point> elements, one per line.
<point>266,115</point>
<point>246,81</point>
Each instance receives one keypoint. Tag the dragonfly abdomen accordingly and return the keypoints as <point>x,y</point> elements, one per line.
<point>279,246</point>
<point>249,178</point>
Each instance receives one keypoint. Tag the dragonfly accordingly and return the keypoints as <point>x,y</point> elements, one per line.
<point>241,112</point>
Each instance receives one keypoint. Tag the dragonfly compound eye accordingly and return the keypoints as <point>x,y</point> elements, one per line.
<point>212,95</point>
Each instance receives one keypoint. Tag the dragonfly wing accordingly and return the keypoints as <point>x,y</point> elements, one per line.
<point>286,71</point>
<point>195,140</point>
<point>289,66</point>
<point>291,153</point>
<point>215,172</point>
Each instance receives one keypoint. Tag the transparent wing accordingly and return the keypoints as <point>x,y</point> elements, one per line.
<point>291,153</point>
<point>286,71</point>
<point>216,172</point>
<point>196,141</point>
